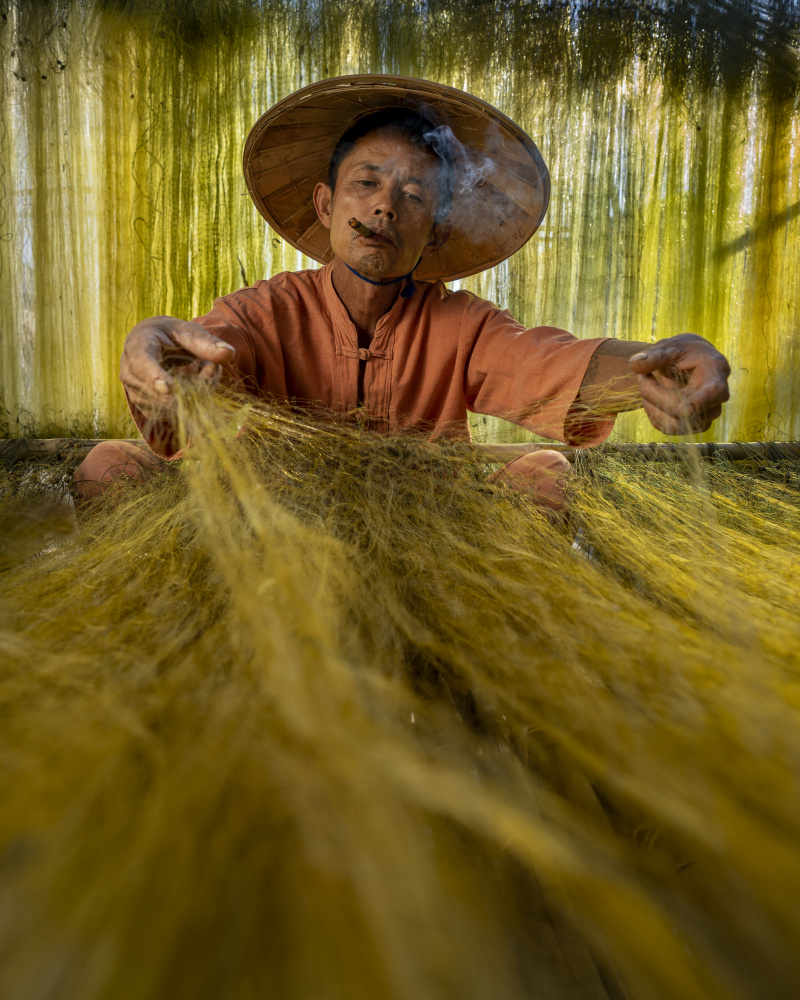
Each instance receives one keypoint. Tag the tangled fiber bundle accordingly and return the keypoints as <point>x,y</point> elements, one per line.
<point>319,714</point>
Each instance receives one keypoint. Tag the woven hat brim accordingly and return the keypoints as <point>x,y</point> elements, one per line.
<point>500,199</point>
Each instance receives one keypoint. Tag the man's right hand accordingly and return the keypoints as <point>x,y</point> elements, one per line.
<point>158,348</point>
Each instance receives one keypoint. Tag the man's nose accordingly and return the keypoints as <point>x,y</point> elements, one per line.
<point>386,202</point>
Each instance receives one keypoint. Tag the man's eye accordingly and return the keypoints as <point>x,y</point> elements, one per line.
<point>368,183</point>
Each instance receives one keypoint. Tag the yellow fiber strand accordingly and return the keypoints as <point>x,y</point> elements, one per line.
<point>316,713</point>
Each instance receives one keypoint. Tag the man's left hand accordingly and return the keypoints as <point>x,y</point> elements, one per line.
<point>683,381</point>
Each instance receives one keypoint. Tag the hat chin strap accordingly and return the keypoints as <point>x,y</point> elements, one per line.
<point>407,292</point>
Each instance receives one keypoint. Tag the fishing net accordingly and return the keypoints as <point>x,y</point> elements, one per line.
<point>320,713</point>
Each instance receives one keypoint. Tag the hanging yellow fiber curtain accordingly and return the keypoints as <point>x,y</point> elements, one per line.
<point>672,133</point>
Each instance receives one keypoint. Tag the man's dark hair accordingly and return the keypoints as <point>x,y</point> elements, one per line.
<point>420,130</point>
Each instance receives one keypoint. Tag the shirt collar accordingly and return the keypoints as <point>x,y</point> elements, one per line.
<point>341,317</point>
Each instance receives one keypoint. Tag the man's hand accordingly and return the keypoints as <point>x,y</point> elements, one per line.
<point>157,347</point>
<point>683,381</point>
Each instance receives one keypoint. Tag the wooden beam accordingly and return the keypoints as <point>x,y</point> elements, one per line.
<point>20,449</point>
<point>657,451</point>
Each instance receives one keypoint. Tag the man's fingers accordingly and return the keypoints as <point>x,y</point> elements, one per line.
<point>200,343</point>
<point>683,382</point>
<point>157,398</point>
<point>141,365</point>
<point>682,402</point>
<point>665,423</point>
<point>209,372</point>
<point>178,347</point>
<point>685,353</point>
<point>149,399</point>
<point>659,356</point>
<point>148,405</point>
<point>689,424</point>
<point>675,352</point>
<point>158,347</point>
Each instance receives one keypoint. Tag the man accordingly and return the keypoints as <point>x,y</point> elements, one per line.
<point>370,175</point>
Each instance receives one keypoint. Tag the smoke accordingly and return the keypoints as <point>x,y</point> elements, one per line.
<point>481,207</point>
<point>470,168</point>
<point>475,206</point>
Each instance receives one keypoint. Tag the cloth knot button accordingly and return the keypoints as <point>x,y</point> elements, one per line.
<point>363,353</point>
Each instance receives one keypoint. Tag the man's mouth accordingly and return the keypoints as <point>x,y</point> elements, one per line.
<point>380,240</point>
<point>371,235</point>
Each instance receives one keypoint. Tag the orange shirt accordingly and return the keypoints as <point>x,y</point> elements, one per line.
<point>434,356</point>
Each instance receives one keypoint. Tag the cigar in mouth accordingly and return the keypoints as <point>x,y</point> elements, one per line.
<point>360,227</point>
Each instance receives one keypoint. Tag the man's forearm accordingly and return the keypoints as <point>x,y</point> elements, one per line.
<point>681,381</point>
<point>609,386</point>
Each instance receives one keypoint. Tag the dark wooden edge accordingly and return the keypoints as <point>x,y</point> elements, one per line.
<point>658,451</point>
<point>16,449</point>
<point>20,449</point>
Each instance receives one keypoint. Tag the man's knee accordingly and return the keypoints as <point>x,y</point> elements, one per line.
<point>110,463</point>
<point>543,475</point>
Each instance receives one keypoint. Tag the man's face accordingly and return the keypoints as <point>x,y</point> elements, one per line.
<point>391,186</point>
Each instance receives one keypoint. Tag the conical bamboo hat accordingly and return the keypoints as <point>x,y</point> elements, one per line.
<point>502,184</point>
